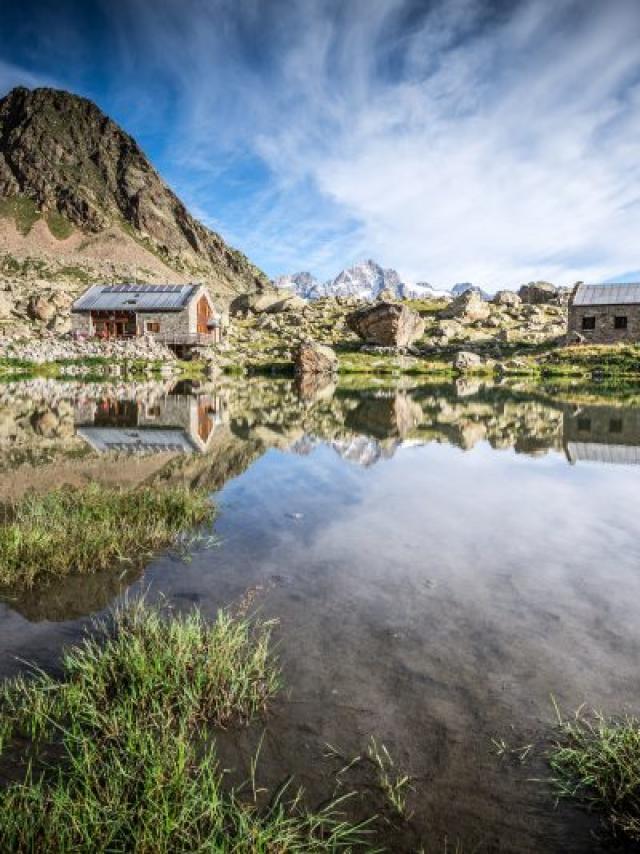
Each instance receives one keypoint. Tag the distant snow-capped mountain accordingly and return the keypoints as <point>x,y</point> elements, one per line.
<point>364,281</point>
<point>303,284</point>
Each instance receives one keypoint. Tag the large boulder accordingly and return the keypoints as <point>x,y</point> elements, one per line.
<point>468,307</point>
<point>6,306</point>
<point>386,324</point>
<point>257,303</point>
<point>290,303</point>
<point>313,358</point>
<point>507,298</point>
<point>535,293</point>
<point>267,303</point>
<point>40,308</point>
<point>385,295</point>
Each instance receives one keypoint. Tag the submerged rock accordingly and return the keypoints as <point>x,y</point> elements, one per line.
<point>387,325</point>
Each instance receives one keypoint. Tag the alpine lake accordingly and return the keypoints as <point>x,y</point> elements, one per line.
<point>449,563</point>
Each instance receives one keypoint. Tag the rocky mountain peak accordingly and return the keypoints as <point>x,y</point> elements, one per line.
<point>62,155</point>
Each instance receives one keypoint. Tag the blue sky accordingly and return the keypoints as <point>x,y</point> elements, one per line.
<point>493,142</point>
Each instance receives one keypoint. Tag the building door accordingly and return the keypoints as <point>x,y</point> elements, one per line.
<point>204,315</point>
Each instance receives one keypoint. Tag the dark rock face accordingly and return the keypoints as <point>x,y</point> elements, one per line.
<point>536,293</point>
<point>387,325</point>
<point>65,155</point>
<point>313,358</point>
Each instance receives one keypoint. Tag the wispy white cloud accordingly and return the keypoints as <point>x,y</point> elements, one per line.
<point>458,140</point>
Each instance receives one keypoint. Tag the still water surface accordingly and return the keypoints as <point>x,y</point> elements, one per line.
<point>443,560</point>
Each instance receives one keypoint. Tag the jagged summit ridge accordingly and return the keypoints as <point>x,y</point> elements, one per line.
<point>364,281</point>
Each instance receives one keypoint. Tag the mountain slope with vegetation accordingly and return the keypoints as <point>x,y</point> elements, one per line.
<point>80,202</point>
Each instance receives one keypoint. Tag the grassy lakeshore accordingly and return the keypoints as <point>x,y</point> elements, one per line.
<point>615,362</point>
<point>132,718</point>
<point>90,368</point>
<point>86,530</point>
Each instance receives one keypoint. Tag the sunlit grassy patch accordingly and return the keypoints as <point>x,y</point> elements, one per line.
<point>59,225</point>
<point>22,210</point>
<point>86,530</point>
<point>615,359</point>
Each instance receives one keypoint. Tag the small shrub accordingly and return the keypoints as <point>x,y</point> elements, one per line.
<point>22,211</point>
<point>59,225</point>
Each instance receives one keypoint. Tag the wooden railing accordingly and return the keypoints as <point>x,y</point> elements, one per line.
<point>186,339</point>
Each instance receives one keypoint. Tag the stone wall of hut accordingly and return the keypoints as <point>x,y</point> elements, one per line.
<point>171,322</point>
<point>605,331</point>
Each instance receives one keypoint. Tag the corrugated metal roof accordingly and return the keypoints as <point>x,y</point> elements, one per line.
<point>596,452</point>
<point>135,298</point>
<point>612,294</point>
<point>138,441</point>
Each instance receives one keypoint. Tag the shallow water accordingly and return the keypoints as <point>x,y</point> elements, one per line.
<point>443,559</point>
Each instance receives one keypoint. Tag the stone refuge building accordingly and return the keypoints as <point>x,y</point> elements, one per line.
<point>178,315</point>
<point>604,314</point>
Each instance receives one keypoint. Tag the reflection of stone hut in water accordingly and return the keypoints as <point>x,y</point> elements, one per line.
<point>175,424</point>
<point>602,434</point>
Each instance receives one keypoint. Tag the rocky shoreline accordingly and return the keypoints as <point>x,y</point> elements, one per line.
<point>268,333</point>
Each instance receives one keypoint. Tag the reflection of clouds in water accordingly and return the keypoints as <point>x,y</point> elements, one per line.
<point>499,532</point>
<point>450,591</point>
<point>503,505</point>
<point>503,569</point>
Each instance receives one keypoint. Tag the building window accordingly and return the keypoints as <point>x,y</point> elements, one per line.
<point>615,425</point>
<point>588,323</point>
<point>584,425</point>
<point>620,321</point>
<point>153,326</point>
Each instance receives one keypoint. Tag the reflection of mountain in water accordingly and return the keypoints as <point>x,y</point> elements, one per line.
<point>602,434</point>
<point>206,436</point>
<point>72,597</point>
<point>363,450</point>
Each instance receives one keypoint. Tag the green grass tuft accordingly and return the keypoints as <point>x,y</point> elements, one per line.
<point>392,784</point>
<point>596,760</point>
<point>22,211</point>
<point>132,715</point>
<point>59,225</point>
<point>86,530</point>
